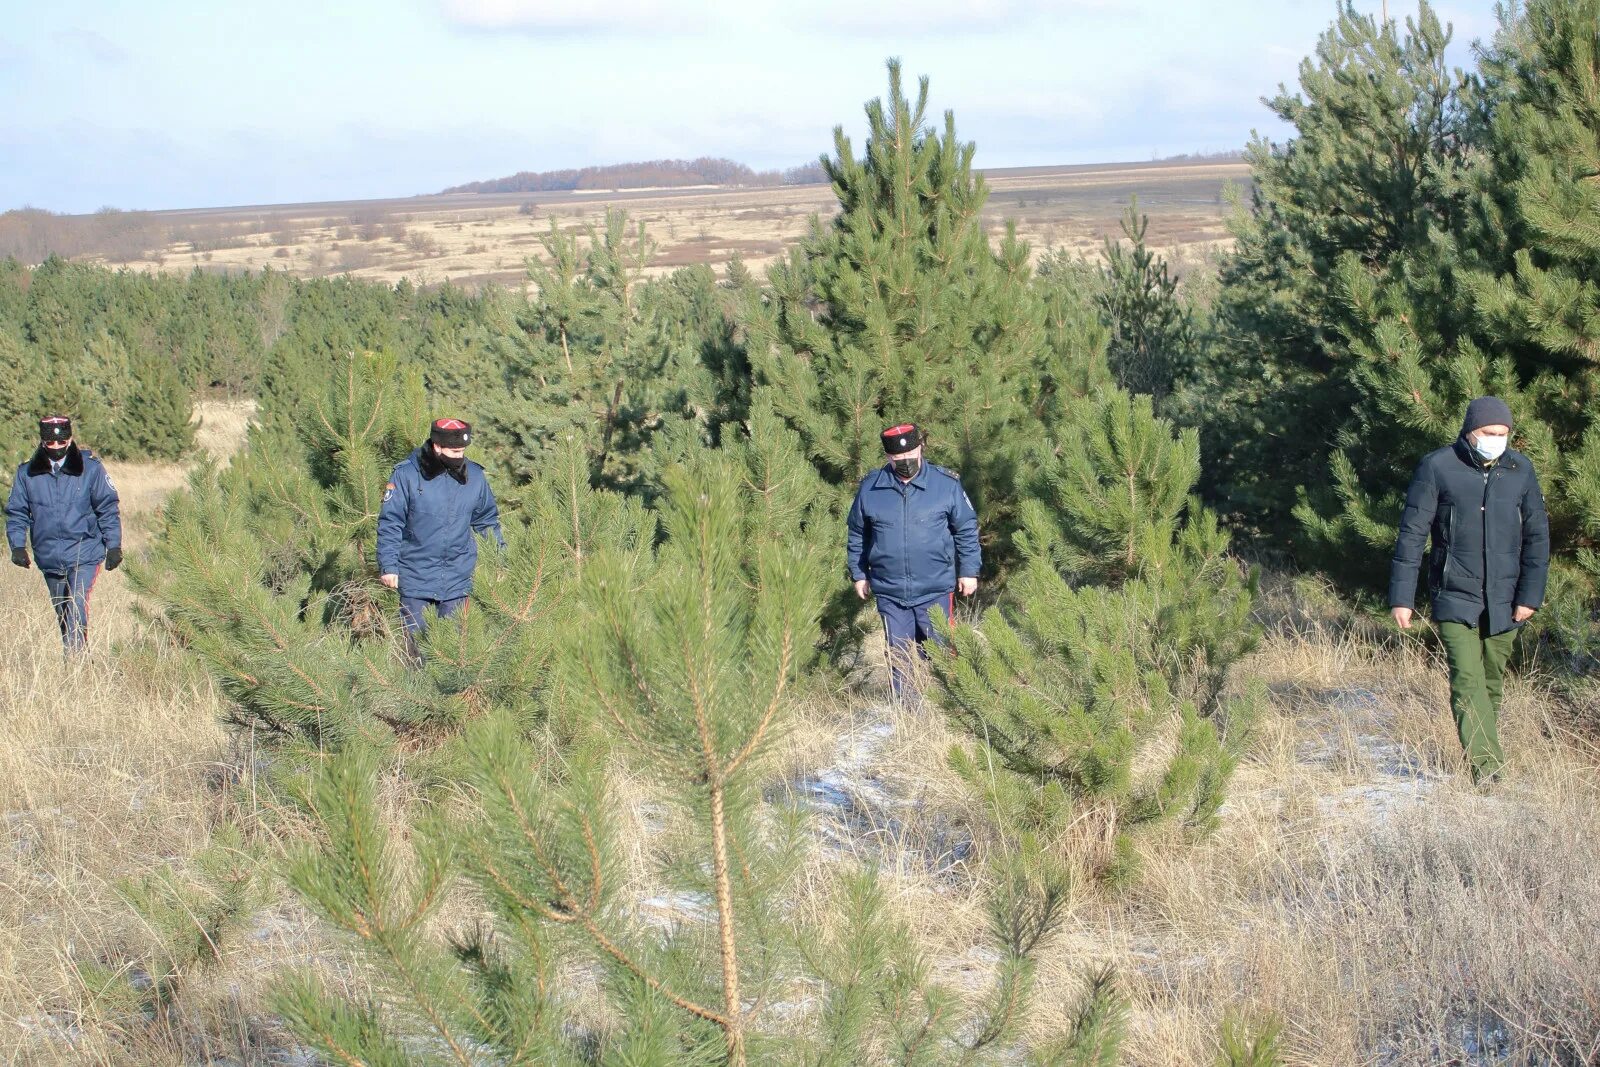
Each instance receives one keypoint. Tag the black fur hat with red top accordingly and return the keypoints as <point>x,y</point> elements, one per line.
<point>55,430</point>
<point>898,440</point>
<point>450,433</point>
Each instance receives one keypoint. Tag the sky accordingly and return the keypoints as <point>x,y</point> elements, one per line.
<point>195,103</point>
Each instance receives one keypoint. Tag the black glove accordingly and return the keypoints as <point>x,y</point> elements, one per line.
<point>19,556</point>
<point>113,558</point>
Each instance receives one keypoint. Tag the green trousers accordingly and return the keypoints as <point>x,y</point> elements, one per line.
<point>1477,667</point>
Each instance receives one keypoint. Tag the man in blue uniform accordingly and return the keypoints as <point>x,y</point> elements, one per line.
<point>64,502</point>
<point>913,543</point>
<point>436,504</point>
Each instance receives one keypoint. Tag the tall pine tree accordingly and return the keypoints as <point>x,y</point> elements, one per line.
<point>1352,217</point>
<point>1540,310</point>
<point>901,309</point>
<point>1472,275</point>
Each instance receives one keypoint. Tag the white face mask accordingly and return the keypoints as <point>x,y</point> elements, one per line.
<point>1490,446</point>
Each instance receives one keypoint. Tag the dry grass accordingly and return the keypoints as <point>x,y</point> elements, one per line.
<point>221,426</point>
<point>475,239</point>
<point>110,767</point>
<point>107,768</point>
<point>1359,889</point>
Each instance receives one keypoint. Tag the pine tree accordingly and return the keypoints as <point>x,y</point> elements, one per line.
<point>900,310</point>
<point>602,353</point>
<point>156,417</point>
<point>1364,199</point>
<point>1152,329</point>
<point>1245,1046</point>
<point>1094,696</point>
<point>1541,307</point>
<point>1098,1031</point>
<point>680,668</point>
<point>105,342</point>
<point>1490,291</point>
<point>20,405</point>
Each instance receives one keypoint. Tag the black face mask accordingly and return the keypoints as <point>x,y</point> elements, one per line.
<point>55,451</point>
<point>905,468</point>
<point>455,463</point>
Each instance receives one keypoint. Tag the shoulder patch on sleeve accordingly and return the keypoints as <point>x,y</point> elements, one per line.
<point>388,491</point>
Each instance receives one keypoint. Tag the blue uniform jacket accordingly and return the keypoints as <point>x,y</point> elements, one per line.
<point>428,526</point>
<point>911,540</point>
<point>71,515</point>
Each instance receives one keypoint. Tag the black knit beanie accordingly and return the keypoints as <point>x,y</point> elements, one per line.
<point>1486,411</point>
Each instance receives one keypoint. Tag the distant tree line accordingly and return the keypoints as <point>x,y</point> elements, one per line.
<point>1227,155</point>
<point>660,172</point>
<point>31,234</point>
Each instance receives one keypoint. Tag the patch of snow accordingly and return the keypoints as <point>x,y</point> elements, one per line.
<point>667,910</point>
<point>858,812</point>
<point>50,1026</point>
<point>1400,777</point>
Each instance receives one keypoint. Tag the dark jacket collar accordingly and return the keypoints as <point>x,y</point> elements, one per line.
<point>431,466</point>
<point>72,465</point>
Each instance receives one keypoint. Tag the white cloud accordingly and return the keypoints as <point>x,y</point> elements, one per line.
<point>846,17</point>
<point>908,17</point>
<point>100,48</point>
<point>564,16</point>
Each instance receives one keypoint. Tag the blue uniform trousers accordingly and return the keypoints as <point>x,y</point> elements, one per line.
<point>69,596</point>
<point>414,617</point>
<point>907,629</point>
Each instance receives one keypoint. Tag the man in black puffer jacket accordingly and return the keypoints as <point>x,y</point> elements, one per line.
<point>1482,505</point>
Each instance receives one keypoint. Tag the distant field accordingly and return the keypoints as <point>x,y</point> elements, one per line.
<point>475,238</point>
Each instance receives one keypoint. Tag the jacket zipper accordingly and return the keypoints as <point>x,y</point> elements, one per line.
<point>905,537</point>
<point>1483,517</point>
<point>1450,546</point>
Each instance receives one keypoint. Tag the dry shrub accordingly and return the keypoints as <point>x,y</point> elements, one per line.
<point>1359,889</point>
<point>421,242</point>
<point>356,257</point>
